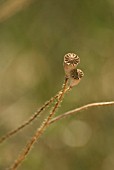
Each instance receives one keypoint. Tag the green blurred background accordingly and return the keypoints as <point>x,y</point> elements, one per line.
<point>34,38</point>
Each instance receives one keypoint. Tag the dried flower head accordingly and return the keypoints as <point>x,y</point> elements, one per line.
<point>71,60</point>
<point>75,76</point>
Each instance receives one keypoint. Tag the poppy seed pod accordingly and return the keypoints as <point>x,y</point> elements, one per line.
<point>75,76</point>
<point>71,60</point>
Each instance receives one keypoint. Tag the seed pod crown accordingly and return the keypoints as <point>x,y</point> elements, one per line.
<point>70,63</point>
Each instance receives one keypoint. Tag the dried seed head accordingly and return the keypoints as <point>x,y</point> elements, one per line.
<point>71,60</point>
<point>75,76</point>
<point>76,73</point>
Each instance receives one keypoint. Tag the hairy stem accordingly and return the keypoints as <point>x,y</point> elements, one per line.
<point>39,130</point>
<point>31,119</point>
<point>82,108</point>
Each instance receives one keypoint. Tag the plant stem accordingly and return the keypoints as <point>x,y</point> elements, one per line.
<point>40,130</point>
<point>31,119</point>
<point>82,108</point>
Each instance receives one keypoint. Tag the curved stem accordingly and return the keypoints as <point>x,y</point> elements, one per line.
<point>82,108</point>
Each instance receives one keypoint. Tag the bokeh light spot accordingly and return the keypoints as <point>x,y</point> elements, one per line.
<point>77,134</point>
<point>108,163</point>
